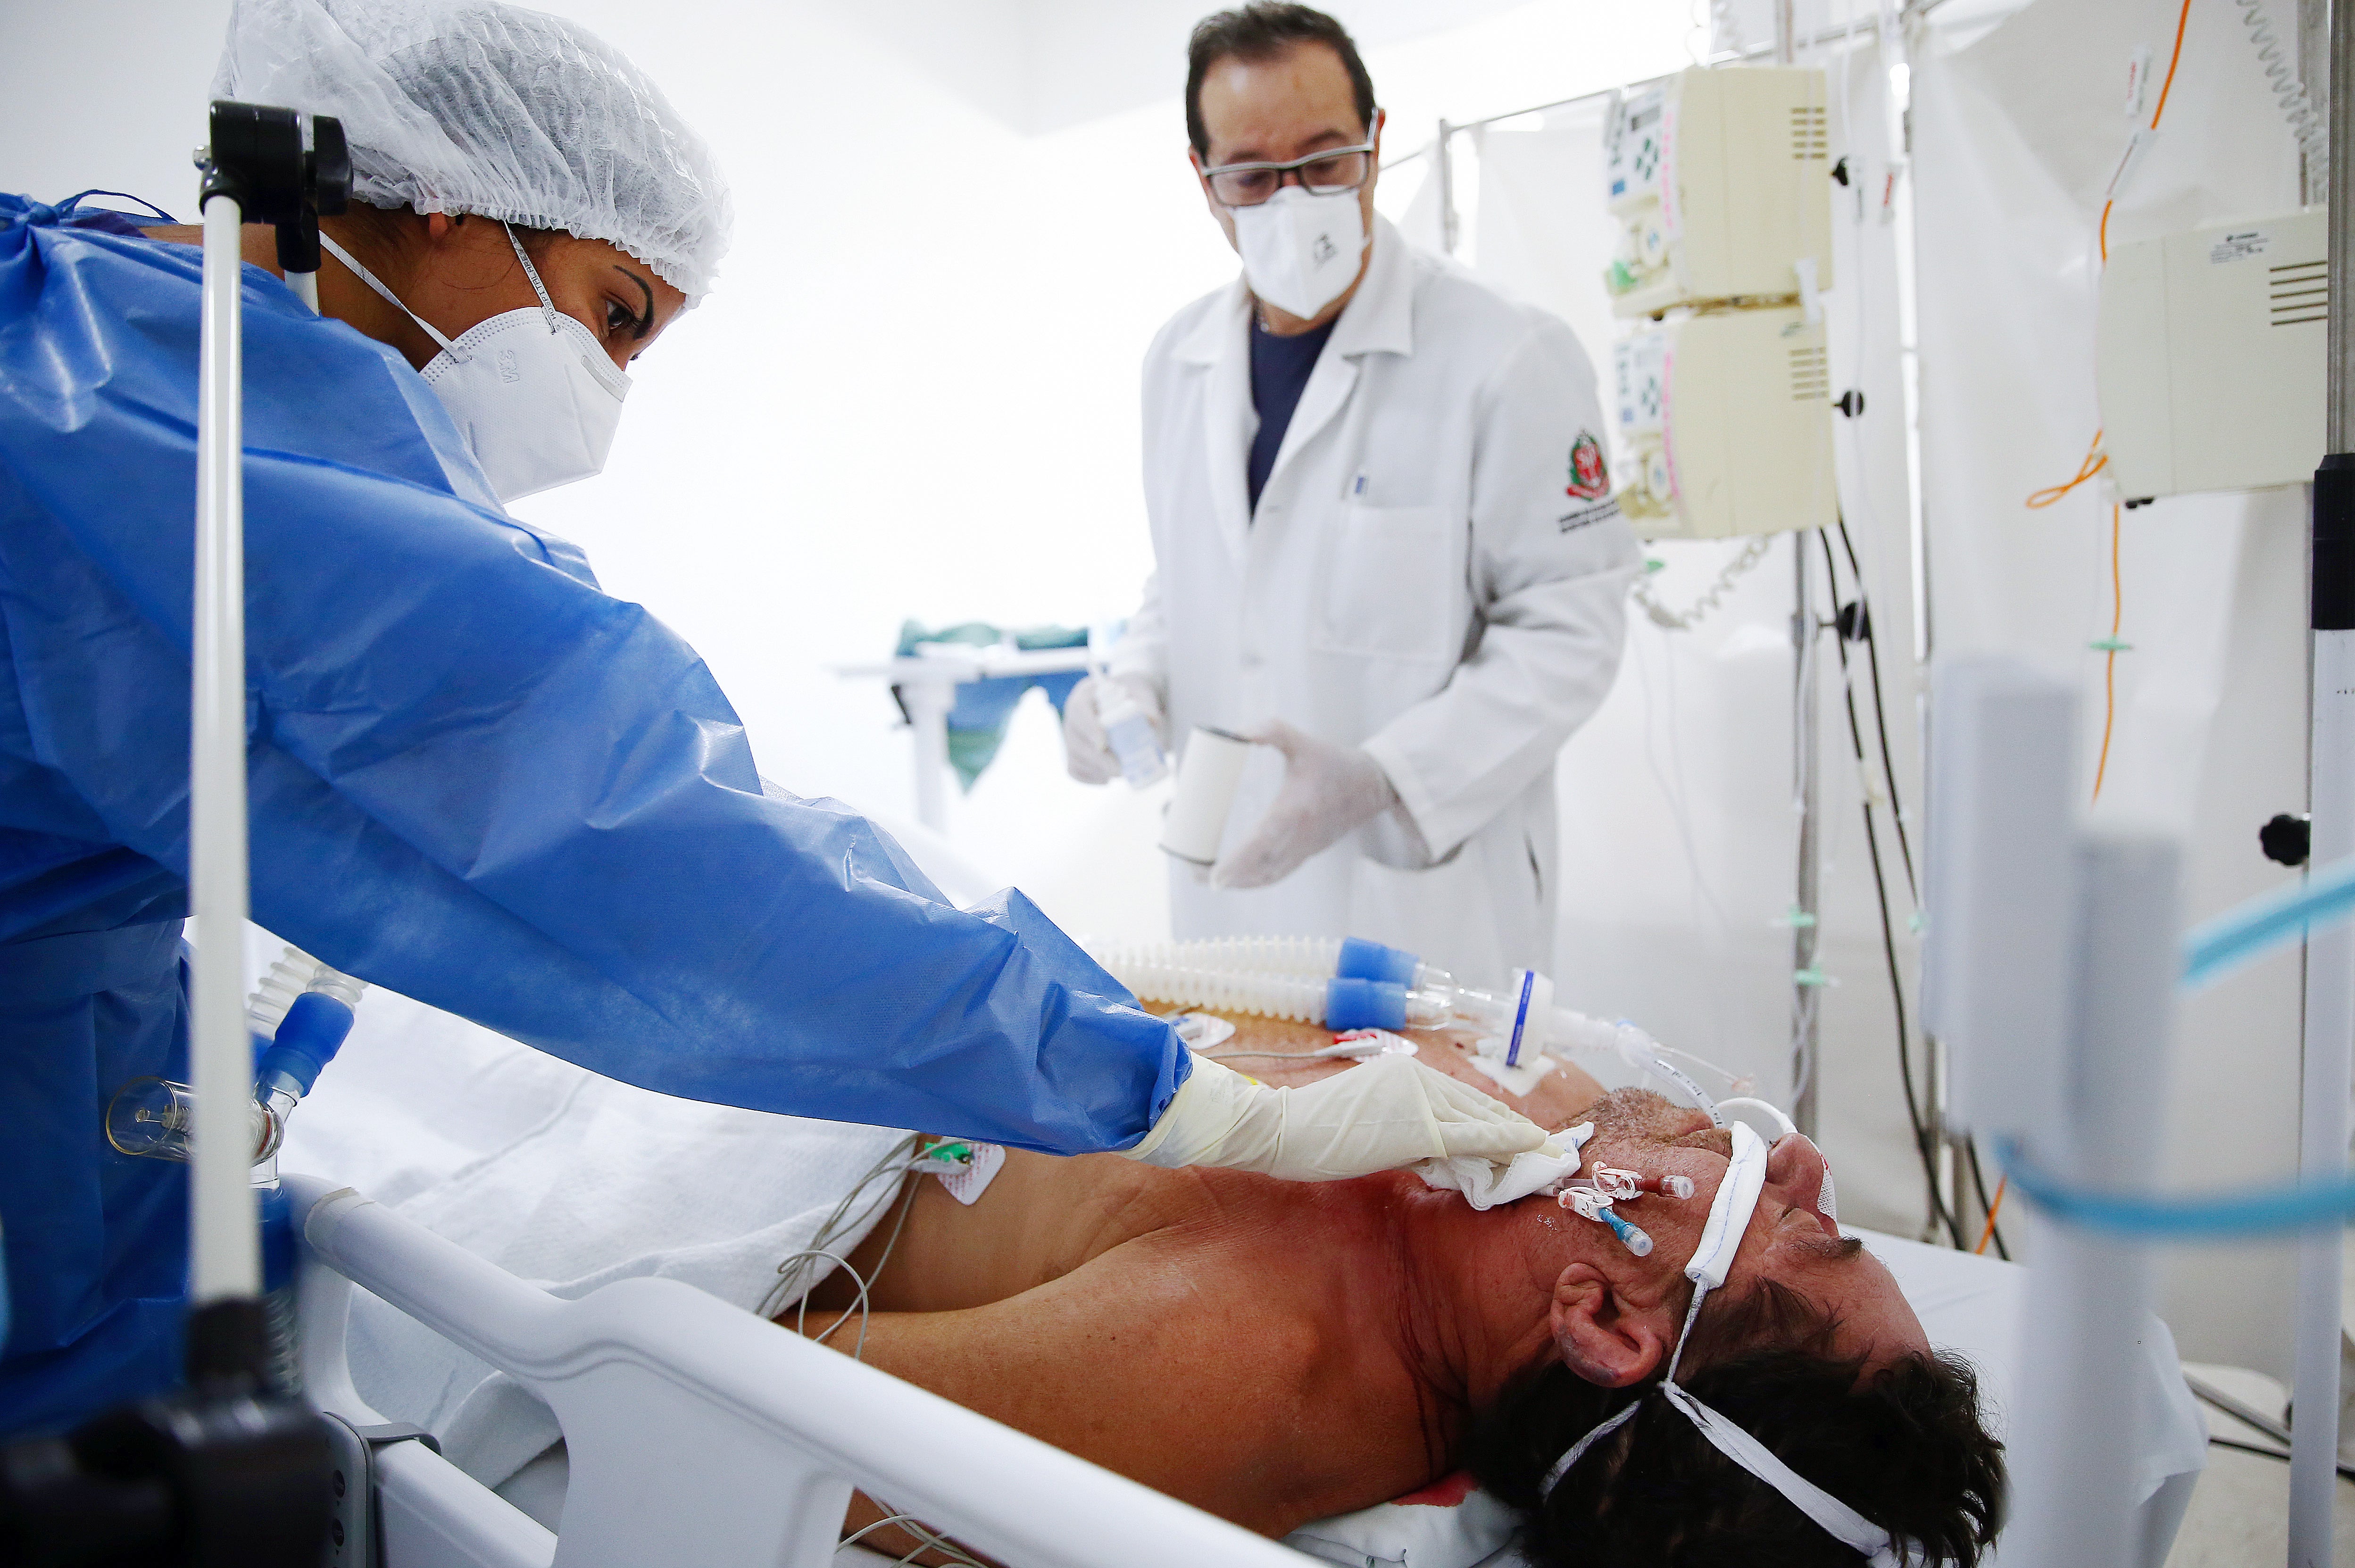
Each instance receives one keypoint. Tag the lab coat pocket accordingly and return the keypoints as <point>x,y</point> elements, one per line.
<point>1393,586</point>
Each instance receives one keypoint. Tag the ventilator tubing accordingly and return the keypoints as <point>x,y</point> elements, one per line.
<point>300,1015</point>
<point>1340,1003</point>
<point>1349,957</point>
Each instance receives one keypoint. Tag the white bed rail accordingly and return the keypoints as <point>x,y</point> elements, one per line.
<point>698,1432</point>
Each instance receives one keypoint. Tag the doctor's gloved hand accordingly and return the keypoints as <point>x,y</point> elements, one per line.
<point>1384,1114</point>
<point>1328,791</point>
<point>1087,753</point>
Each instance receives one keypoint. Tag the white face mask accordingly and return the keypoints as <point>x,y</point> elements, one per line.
<point>1301,251</point>
<point>535,396</point>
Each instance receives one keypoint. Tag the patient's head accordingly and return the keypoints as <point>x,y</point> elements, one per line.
<point>1810,1345</point>
<point>1900,1441</point>
<point>1615,1317</point>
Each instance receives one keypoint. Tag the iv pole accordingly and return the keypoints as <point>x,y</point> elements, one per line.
<point>2329,1032</point>
<point>1807,719</point>
<point>223,1470</point>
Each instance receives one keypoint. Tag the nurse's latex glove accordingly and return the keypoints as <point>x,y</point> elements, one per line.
<point>1384,1114</point>
<point>1328,792</point>
<point>1087,754</point>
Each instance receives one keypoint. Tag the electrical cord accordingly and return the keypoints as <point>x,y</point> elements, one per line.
<point>1987,1207</point>
<point>1864,623</point>
<point>896,1162</point>
<point>2344,1474</point>
<point>1923,1141</point>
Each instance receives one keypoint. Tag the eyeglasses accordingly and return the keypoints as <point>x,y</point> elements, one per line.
<point>1331,173</point>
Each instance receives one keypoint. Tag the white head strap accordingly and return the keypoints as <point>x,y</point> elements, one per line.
<point>1721,1239</point>
<point>327,242</point>
<point>546,305</point>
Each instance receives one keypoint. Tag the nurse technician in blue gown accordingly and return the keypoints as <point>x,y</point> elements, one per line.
<point>476,779</point>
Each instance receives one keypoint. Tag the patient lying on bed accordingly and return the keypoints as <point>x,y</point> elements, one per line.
<point>1277,1353</point>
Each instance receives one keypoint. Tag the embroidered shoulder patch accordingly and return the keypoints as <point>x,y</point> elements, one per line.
<point>1589,479</point>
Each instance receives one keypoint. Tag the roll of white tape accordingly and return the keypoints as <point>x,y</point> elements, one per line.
<point>1208,773</point>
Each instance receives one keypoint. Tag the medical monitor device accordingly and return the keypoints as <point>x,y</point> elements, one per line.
<point>1725,425</point>
<point>2210,360</point>
<point>1721,180</point>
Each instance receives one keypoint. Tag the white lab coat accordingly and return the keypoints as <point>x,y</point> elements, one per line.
<point>1420,579</point>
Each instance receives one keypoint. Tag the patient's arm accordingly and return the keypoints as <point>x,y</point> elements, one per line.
<point>1131,1316</point>
<point>1176,1360</point>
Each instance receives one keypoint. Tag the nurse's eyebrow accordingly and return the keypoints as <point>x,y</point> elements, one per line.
<point>646,319</point>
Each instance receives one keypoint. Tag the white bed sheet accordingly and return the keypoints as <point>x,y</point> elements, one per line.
<point>559,1177</point>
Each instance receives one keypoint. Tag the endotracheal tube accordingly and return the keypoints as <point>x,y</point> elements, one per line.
<point>299,1016</point>
<point>1347,984</point>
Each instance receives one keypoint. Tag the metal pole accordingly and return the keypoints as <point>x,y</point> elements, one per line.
<point>2314,80</point>
<point>225,1255</point>
<point>928,702</point>
<point>2330,788</point>
<point>1446,155</point>
<point>1807,982</point>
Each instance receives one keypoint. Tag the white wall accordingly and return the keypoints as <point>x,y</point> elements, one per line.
<point>913,392</point>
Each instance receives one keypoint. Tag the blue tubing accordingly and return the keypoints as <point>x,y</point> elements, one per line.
<point>2239,935</point>
<point>1364,960</point>
<point>1363,1004</point>
<point>2290,1206</point>
<point>308,1038</point>
<point>2212,951</point>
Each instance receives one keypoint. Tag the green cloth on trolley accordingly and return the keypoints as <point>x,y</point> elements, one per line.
<point>985,707</point>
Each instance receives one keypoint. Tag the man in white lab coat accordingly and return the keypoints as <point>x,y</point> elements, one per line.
<point>1384,537</point>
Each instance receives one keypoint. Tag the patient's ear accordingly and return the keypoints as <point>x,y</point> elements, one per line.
<point>1602,1337</point>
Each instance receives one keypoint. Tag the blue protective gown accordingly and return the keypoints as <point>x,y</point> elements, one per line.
<point>477,780</point>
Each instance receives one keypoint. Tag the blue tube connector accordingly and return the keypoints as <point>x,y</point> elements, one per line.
<point>1351,1002</point>
<point>1364,960</point>
<point>308,1038</point>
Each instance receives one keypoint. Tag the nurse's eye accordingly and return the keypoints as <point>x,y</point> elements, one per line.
<point>619,317</point>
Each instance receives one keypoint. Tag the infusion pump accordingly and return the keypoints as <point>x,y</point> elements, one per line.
<point>2210,357</point>
<point>1725,424</point>
<point>1721,181</point>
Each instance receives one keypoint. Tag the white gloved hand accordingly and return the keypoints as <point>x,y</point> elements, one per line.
<point>1087,754</point>
<point>1381,1114</point>
<point>1327,791</point>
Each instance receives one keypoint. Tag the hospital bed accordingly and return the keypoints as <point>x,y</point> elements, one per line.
<point>696,1432</point>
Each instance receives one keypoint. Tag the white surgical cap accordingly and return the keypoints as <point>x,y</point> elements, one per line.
<point>472,106</point>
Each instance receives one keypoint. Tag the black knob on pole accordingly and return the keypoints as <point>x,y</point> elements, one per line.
<point>2287,838</point>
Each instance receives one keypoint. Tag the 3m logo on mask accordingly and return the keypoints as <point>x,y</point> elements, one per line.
<point>508,371</point>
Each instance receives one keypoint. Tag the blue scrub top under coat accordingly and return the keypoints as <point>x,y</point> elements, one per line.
<point>1280,368</point>
<point>475,780</point>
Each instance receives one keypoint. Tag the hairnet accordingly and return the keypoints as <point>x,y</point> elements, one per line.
<point>472,106</point>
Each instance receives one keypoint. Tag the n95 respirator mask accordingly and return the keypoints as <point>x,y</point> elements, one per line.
<point>536,399</point>
<point>1300,251</point>
<point>533,394</point>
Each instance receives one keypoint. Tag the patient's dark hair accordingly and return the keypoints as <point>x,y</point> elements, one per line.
<point>1901,1445</point>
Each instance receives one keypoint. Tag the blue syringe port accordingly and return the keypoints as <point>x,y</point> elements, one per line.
<point>1364,960</point>
<point>1363,1004</point>
<point>307,1041</point>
